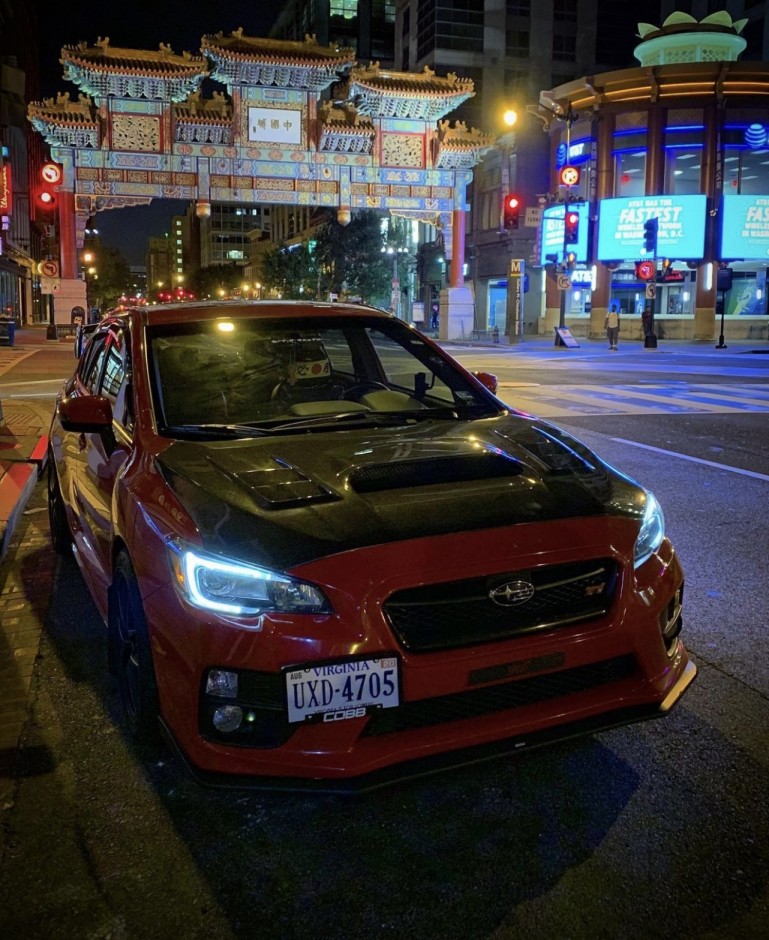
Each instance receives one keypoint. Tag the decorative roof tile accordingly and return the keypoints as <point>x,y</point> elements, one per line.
<point>63,111</point>
<point>307,54</point>
<point>102,57</point>
<point>196,109</point>
<point>389,82</point>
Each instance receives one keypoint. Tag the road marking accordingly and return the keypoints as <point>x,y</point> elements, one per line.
<point>551,401</point>
<point>707,463</point>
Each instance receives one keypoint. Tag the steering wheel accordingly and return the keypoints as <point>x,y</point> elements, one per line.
<point>362,388</point>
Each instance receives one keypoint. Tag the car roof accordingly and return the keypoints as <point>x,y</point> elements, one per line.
<point>268,309</point>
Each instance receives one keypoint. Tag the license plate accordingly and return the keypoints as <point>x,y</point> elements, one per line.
<point>346,689</point>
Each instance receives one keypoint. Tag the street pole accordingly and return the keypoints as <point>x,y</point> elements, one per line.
<point>722,304</point>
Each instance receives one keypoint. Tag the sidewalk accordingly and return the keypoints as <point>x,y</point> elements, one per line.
<point>23,449</point>
<point>24,425</point>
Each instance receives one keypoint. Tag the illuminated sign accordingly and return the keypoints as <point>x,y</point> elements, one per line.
<point>51,173</point>
<point>569,176</point>
<point>275,125</point>
<point>553,233</point>
<point>680,232</point>
<point>745,227</point>
<point>6,190</point>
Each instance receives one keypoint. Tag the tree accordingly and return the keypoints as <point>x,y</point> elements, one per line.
<point>351,259</point>
<point>111,280</point>
<point>216,280</point>
<point>290,270</point>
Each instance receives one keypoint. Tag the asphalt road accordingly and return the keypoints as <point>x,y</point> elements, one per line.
<point>658,830</point>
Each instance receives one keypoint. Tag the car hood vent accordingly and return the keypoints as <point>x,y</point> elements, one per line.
<point>280,487</point>
<point>433,471</point>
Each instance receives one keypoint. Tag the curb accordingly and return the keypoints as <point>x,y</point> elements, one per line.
<point>17,482</point>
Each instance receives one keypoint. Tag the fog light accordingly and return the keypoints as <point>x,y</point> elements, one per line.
<point>228,718</point>
<point>222,683</point>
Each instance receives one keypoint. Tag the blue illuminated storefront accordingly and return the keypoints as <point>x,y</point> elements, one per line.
<point>685,144</point>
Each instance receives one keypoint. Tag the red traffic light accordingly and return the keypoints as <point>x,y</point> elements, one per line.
<point>571,228</point>
<point>45,198</point>
<point>512,205</point>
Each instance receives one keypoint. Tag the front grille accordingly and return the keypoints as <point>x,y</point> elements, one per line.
<point>497,698</point>
<point>461,613</point>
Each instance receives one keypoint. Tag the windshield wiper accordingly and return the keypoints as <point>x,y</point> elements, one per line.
<point>362,417</point>
<point>216,430</point>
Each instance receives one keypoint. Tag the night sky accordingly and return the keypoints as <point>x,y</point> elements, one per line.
<point>139,25</point>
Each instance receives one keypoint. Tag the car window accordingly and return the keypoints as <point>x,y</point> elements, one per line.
<point>115,384</point>
<point>261,371</point>
<point>93,362</point>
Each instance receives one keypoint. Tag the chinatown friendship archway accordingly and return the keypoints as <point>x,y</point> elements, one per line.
<point>140,130</point>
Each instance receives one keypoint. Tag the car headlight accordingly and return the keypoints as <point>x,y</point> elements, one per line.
<point>652,531</point>
<point>234,588</point>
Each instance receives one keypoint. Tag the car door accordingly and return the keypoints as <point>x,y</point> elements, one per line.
<point>102,455</point>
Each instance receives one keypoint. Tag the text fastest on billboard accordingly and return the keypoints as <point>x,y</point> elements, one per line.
<point>680,232</point>
<point>745,228</point>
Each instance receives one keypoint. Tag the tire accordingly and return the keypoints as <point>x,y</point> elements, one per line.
<point>61,537</point>
<point>131,654</point>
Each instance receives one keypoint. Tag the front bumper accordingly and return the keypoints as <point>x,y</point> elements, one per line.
<point>533,689</point>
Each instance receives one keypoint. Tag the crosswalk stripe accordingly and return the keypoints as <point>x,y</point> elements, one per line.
<point>549,401</point>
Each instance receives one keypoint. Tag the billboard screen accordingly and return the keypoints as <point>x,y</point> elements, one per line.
<point>552,232</point>
<point>680,233</point>
<point>745,227</point>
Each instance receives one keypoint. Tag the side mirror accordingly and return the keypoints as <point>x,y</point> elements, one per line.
<point>85,413</point>
<point>487,380</point>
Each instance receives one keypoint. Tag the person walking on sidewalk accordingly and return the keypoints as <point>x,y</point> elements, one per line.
<point>612,326</point>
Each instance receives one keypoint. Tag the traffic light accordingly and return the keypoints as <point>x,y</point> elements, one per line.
<point>650,235</point>
<point>45,198</point>
<point>571,227</point>
<point>50,177</point>
<point>511,208</point>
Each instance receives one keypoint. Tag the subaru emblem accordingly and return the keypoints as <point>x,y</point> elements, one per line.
<point>512,592</point>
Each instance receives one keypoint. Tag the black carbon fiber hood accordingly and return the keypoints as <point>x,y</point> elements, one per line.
<point>285,500</point>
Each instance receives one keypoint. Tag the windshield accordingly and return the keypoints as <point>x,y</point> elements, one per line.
<point>281,373</point>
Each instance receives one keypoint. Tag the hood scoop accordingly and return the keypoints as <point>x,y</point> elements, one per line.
<point>433,471</point>
<point>281,487</point>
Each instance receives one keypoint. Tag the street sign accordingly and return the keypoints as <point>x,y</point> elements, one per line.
<point>516,267</point>
<point>533,217</point>
<point>645,270</point>
<point>49,268</point>
<point>50,285</point>
<point>651,291</point>
<point>564,282</point>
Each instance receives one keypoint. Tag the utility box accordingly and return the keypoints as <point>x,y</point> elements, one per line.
<point>7,331</point>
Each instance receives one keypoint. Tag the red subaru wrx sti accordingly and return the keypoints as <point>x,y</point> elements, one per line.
<point>327,555</point>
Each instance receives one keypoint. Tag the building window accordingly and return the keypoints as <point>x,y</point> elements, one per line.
<point>459,25</point>
<point>518,7</point>
<point>682,170</point>
<point>517,42</point>
<point>630,173</point>
<point>565,11</point>
<point>425,28</point>
<point>347,9</point>
<point>564,48</point>
<point>746,172</point>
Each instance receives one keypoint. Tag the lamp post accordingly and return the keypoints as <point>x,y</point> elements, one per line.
<point>509,208</point>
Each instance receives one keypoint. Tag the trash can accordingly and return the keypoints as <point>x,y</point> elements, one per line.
<point>7,331</point>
